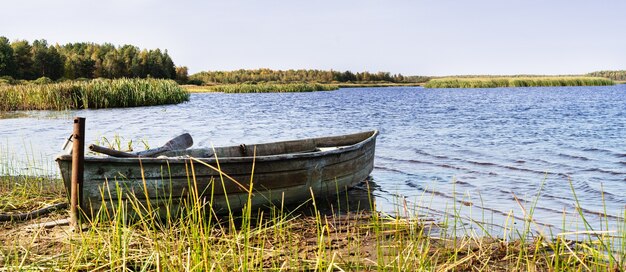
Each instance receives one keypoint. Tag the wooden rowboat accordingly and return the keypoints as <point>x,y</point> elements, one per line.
<point>281,173</point>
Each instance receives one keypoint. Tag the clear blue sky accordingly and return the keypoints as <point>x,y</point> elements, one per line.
<point>431,37</point>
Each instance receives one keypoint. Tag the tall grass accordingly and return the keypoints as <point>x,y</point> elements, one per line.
<point>93,94</point>
<point>259,240</point>
<point>499,82</point>
<point>25,184</point>
<point>277,239</point>
<point>264,88</point>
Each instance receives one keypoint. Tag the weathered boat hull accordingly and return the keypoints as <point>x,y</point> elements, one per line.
<point>283,172</point>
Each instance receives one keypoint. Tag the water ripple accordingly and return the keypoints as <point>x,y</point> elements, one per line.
<point>478,146</point>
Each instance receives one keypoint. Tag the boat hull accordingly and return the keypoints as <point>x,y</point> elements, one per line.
<point>226,183</point>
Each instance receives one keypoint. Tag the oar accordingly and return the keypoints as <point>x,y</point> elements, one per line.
<point>111,152</point>
<point>183,141</point>
<point>180,142</point>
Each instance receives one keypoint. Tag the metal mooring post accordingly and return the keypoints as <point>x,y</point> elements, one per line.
<point>78,158</point>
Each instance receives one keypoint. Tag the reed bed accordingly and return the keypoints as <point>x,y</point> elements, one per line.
<point>501,82</point>
<point>93,94</point>
<point>377,85</point>
<point>264,88</point>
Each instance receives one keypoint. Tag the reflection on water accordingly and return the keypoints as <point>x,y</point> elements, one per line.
<point>12,114</point>
<point>486,152</point>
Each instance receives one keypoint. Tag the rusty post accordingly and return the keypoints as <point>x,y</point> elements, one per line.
<point>78,157</point>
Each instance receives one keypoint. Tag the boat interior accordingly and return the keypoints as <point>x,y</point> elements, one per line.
<point>277,148</point>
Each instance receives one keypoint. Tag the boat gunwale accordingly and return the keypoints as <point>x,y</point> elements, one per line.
<point>276,157</point>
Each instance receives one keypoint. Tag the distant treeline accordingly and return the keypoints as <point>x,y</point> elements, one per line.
<point>297,76</point>
<point>24,61</point>
<point>619,75</point>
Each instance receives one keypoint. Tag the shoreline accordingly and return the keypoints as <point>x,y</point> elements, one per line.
<point>314,237</point>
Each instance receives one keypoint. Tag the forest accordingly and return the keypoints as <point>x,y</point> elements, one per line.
<point>22,60</point>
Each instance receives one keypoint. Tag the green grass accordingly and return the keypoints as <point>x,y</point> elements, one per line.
<point>93,94</point>
<point>264,88</point>
<point>499,82</point>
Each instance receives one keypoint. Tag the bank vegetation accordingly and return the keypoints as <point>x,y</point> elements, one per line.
<point>501,82</point>
<point>91,94</point>
<point>262,88</point>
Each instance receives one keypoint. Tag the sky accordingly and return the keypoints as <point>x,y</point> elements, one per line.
<point>419,37</point>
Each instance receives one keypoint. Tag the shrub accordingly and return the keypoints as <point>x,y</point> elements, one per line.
<point>42,80</point>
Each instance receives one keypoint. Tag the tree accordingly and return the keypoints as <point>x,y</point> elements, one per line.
<point>348,76</point>
<point>140,62</point>
<point>55,63</point>
<point>23,60</point>
<point>128,54</point>
<point>169,68</point>
<point>7,62</point>
<point>98,53</point>
<point>113,65</point>
<point>155,64</point>
<point>39,57</point>
<point>182,75</point>
<point>47,62</point>
<point>77,66</point>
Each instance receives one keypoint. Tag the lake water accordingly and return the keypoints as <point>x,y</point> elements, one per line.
<point>486,152</point>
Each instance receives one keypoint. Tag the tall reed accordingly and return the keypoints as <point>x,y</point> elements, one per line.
<point>265,88</point>
<point>93,94</point>
<point>500,82</point>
